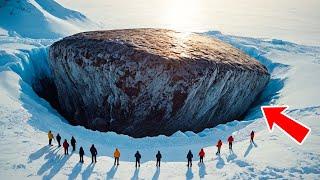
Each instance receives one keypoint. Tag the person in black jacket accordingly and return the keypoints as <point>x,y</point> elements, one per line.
<point>138,157</point>
<point>189,157</point>
<point>81,153</point>
<point>251,137</point>
<point>94,153</point>
<point>158,156</point>
<point>73,143</point>
<point>58,137</point>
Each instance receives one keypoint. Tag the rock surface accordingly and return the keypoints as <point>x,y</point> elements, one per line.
<point>146,82</point>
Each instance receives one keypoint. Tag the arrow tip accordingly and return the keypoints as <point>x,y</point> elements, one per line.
<point>271,114</point>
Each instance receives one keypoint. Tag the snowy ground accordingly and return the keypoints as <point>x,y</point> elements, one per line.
<point>25,119</point>
<point>291,20</point>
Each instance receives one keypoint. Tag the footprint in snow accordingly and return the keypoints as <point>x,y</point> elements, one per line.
<point>19,166</point>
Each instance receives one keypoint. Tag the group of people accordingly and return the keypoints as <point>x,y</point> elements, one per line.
<point>219,145</point>
<point>137,155</point>
<point>230,141</point>
<point>73,142</point>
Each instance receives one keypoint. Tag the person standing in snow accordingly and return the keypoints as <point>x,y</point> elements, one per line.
<point>158,156</point>
<point>138,157</point>
<point>50,137</point>
<point>230,140</point>
<point>73,143</point>
<point>116,155</point>
<point>219,144</point>
<point>201,155</point>
<point>58,137</point>
<point>189,157</point>
<point>66,147</point>
<point>94,153</point>
<point>252,136</point>
<point>81,154</point>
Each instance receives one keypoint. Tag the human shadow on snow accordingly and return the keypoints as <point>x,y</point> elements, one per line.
<point>51,157</point>
<point>232,156</point>
<point>156,174</point>
<point>112,172</point>
<point>136,174</point>
<point>75,171</point>
<point>202,170</point>
<point>54,163</point>
<point>38,154</point>
<point>88,171</point>
<point>189,173</point>
<point>220,162</point>
<point>249,148</point>
<point>255,145</point>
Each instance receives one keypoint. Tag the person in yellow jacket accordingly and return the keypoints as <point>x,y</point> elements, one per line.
<point>50,137</point>
<point>116,155</point>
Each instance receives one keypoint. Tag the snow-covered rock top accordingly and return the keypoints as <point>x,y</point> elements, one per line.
<point>145,82</point>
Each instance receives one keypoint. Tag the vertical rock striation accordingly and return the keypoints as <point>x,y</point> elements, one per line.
<point>145,82</point>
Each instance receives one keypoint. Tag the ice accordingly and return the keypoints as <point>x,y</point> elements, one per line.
<point>25,118</point>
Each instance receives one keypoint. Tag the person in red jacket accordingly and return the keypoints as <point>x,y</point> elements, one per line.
<point>65,146</point>
<point>219,144</point>
<point>251,136</point>
<point>230,140</point>
<point>201,155</point>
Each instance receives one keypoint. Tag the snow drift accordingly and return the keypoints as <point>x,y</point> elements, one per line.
<point>145,82</point>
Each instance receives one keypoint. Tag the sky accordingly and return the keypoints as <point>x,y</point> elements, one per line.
<point>292,20</point>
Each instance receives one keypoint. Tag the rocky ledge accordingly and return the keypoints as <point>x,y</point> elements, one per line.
<point>146,82</point>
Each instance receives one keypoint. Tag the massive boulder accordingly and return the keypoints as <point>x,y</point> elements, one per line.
<point>146,82</point>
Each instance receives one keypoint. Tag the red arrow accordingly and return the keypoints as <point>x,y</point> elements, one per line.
<point>294,129</point>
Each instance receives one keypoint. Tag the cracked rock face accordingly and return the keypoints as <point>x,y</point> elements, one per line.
<point>146,82</point>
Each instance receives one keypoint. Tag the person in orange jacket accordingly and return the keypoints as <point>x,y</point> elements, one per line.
<point>251,136</point>
<point>50,137</point>
<point>201,155</point>
<point>116,155</point>
<point>219,144</point>
<point>230,140</point>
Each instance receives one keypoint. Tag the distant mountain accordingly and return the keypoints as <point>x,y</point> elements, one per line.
<point>41,19</point>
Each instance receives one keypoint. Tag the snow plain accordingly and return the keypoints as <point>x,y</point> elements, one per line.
<point>291,20</point>
<point>25,118</point>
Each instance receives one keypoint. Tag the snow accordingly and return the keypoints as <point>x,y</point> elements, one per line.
<point>24,17</point>
<point>25,120</point>
<point>303,66</point>
<point>291,20</point>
